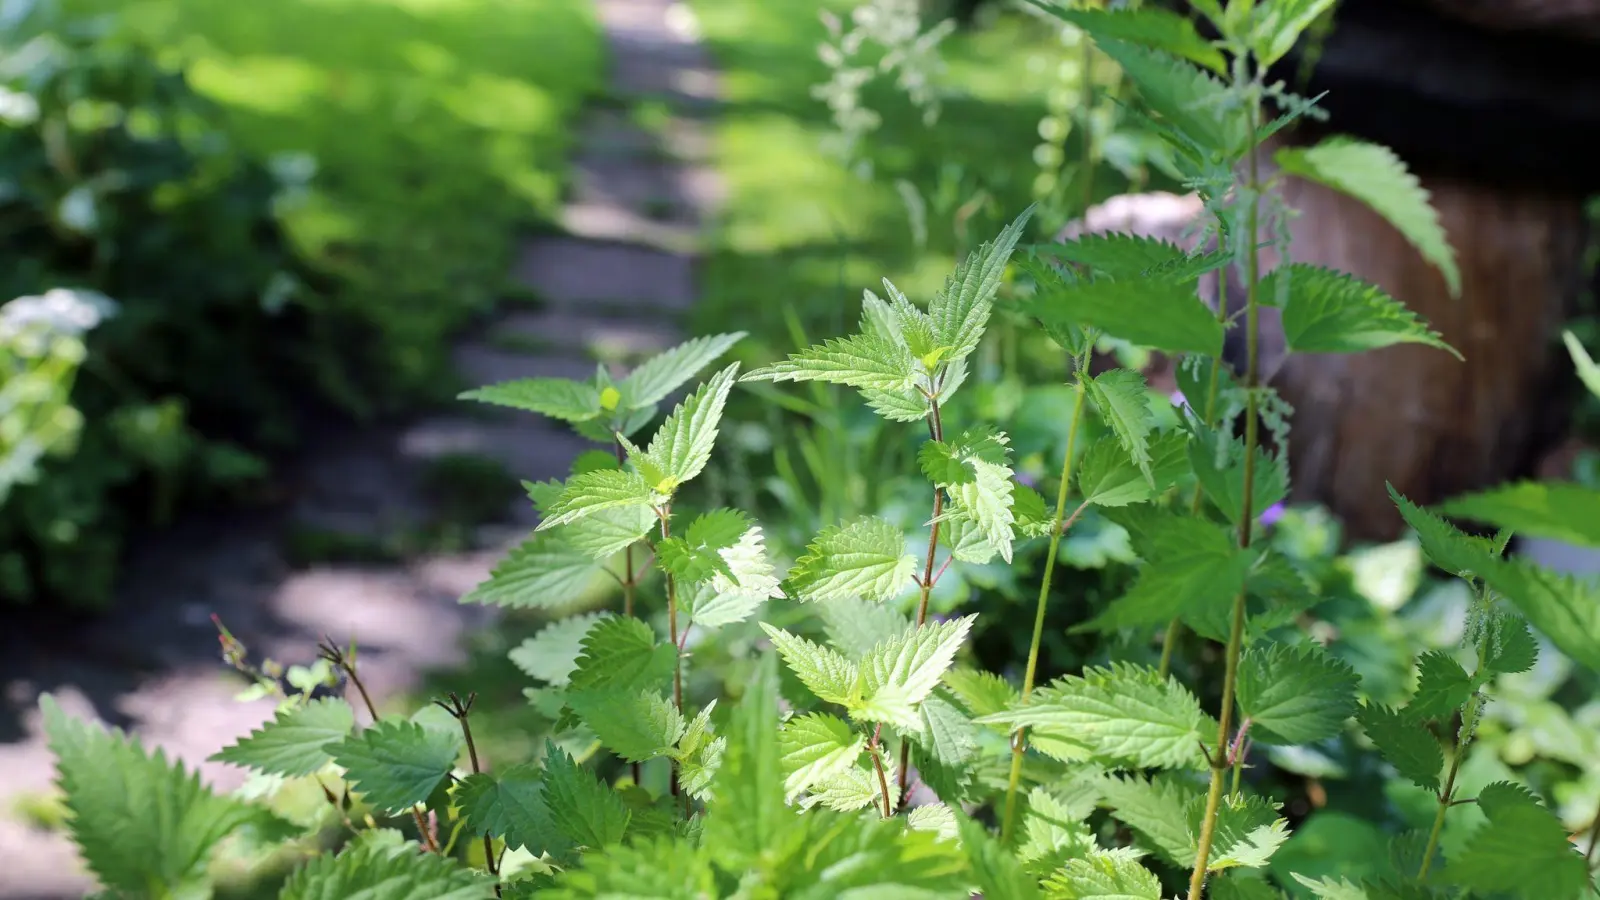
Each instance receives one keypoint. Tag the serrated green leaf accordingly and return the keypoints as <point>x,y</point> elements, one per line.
<point>1108,476</point>
<point>1279,25</point>
<point>620,653</point>
<point>1557,510</point>
<point>139,821</point>
<point>1446,546</point>
<point>935,818</point>
<point>1374,175</point>
<point>1162,313</point>
<point>663,867</point>
<point>1565,608</point>
<point>824,672</point>
<point>1192,568</point>
<point>864,557</point>
<point>1512,647</point>
<point>912,327</point>
<point>558,398</point>
<point>552,654</point>
<point>292,743</point>
<point>1218,460</point>
<point>946,745</point>
<point>982,693</point>
<point>734,596</point>
<point>592,492</point>
<point>855,626</point>
<point>699,755</point>
<point>1153,27</point>
<point>1295,695</point>
<point>1157,810</point>
<point>665,372</point>
<point>1523,850</point>
<point>899,673</point>
<point>511,805</point>
<point>1405,743</point>
<point>682,445</point>
<point>751,820</point>
<point>608,532</point>
<point>1587,370</point>
<point>588,813</point>
<point>1248,831</point>
<point>379,873</point>
<point>397,764</point>
<point>985,502</point>
<point>960,312</point>
<point>1123,399</point>
<point>855,786</point>
<point>1442,687</point>
<point>1329,889</point>
<point>859,361</point>
<point>815,748</point>
<point>1325,311</point>
<point>1053,831</point>
<point>965,540</point>
<point>1104,875</point>
<point>995,869</point>
<point>637,726</point>
<point>1123,714</point>
<point>1189,100</point>
<point>543,572</point>
<point>949,463</point>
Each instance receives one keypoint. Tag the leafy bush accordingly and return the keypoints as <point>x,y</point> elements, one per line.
<point>877,761</point>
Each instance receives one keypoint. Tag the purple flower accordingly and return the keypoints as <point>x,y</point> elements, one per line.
<point>1178,399</point>
<point>1026,480</point>
<point>1271,515</point>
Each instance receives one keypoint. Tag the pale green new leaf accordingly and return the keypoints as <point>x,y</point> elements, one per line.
<point>816,748</point>
<point>370,872</point>
<point>1587,370</point>
<point>558,398</point>
<point>1278,25</point>
<point>138,820</point>
<point>951,462</point>
<point>1558,510</point>
<point>1123,399</point>
<point>855,787</point>
<point>1104,875</point>
<point>1123,714</point>
<point>1295,695</point>
<point>552,654</point>
<point>855,626</point>
<point>864,558</point>
<point>1442,687</point>
<point>593,492</point>
<point>397,764</point>
<point>1325,311</point>
<point>982,693</point>
<point>1405,743</point>
<point>859,361</point>
<point>610,531</point>
<point>1565,608</point>
<point>1329,889</point>
<point>935,818</point>
<point>665,372</point>
<point>986,503</point>
<point>1153,27</point>
<point>1053,831</point>
<point>1108,476</point>
<point>1163,313</point>
<point>823,671</point>
<point>587,812</point>
<point>292,743</point>
<point>699,755</point>
<point>510,804</point>
<point>1523,851</point>
<point>1374,175</point>
<point>1157,810</point>
<point>734,595</point>
<point>682,445</point>
<point>1248,832</point>
<point>960,312</point>
<point>543,572</point>
<point>898,674</point>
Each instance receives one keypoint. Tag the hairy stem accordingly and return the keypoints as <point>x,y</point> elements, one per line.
<point>1445,799</point>
<point>463,713</point>
<point>629,580</point>
<point>672,632</point>
<point>1219,760</point>
<point>1594,840</point>
<point>1019,740</point>
<point>936,432</point>
<point>877,763</point>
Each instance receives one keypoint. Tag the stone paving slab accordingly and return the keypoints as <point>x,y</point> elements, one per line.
<point>573,273</point>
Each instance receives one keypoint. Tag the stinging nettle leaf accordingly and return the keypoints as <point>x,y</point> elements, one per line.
<point>682,445</point>
<point>370,872</point>
<point>1325,311</point>
<point>638,726</point>
<point>593,492</point>
<point>558,398</point>
<point>1108,476</point>
<point>552,654</point>
<point>898,674</point>
<point>1523,851</point>
<point>816,748</point>
<point>1191,101</point>
<point>862,558</point>
<point>587,812</point>
<point>1445,545</point>
<point>1295,695</point>
<point>1115,254</point>
<point>859,361</point>
<point>1442,687</point>
<point>960,312</point>
<point>1162,313</point>
<point>665,372</point>
<point>1152,27</point>
<point>292,743</point>
<point>511,805</point>
<point>1104,875</point>
<point>1557,510</point>
<point>1565,608</point>
<point>1377,177</point>
<point>396,764</point>
<point>1512,647</point>
<point>1123,399</point>
<point>1157,809</point>
<point>736,595</point>
<point>1279,25</point>
<point>543,572</point>
<point>620,653</point>
<point>824,672</point>
<point>1405,743</point>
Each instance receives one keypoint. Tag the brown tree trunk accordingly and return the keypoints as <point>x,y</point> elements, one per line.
<point>1414,416</point>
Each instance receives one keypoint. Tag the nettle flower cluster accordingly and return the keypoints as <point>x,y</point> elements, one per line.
<point>874,763</point>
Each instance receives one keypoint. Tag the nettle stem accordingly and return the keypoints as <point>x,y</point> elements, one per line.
<point>876,749</point>
<point>1219,757</point>
<point>1019,740</point>
<point>1469,718</point>
<point>629,580</point>
<point>462,712</point>
<point>672,632</point>
<point>935,431</point>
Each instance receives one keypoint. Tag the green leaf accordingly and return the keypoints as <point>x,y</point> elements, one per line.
<point>985,503</point>
<point>751,824</point>
<point>935,818</point>
<point>662,867</point>
<point>995,869</point>
<point>1162,313</point>
<point>1442,687</point>
<point>735,594</point>
<point>588,812</point>
<point>1123,714</point>
<point>699,755</point>
<point>816,748</point>
<point>558,398</point>
<point>1115,254</point>
<point>982,693</point>
<point>1446,546</point>
<point>1123,399</point>
<point>397,764</point>
<point>682,445</point>
<point>1523,850</point>
<point>1558,510</point>
<point>829,676</point>
<point>378,873</point>
<point>637,726</point>
<point>946,745</point>
<point>593,492</point>
<point>1512,648</point>
<point>1295,695</point>
<point>960,312</point>
<point>1374,175</point>
<point>1156,28</point>
<point>1157,809</point>
<point>665,372</point>
<point>1054,831</point>
<point>608,532</point>
<point>1104,875</point>
<point>898,674</point>
<point>1565,608</point>
<point>1279,25</point>
<point>1218,461</point>
<point>140,821</point>
<point>1325,311</point>
<point>543,572</point>
<point>1192,568</point>
<point>854,787</point>
<point>1405,743</point>
<point>949,463</point>
<point>552,654</point>
<point>1191,101</point>
<point>1108,476</point>
<point>620,653</point>
<point>1329,889</point>
<point>292,743</point>
<point>855,626</point>
<point>859,361</point>
<point>865,557</point>
<point>1248,831</point>
<point>1587,370</point>
<point>511,805</point>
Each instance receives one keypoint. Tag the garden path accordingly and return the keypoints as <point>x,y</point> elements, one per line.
<point>612,285</point>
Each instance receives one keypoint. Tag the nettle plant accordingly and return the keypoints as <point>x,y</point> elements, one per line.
<point>872,763</point>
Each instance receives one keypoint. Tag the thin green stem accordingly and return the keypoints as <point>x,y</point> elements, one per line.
<point>1019,740</point>
<point>1594,841</point>
<point>935,431</point>
<point>1445,799</point>
<point>463,713</point>
<point>629,580</point>
<point>1219,761</point>
<point>876,750</point>
<point>672,632</point>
